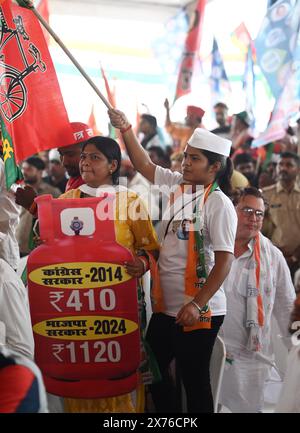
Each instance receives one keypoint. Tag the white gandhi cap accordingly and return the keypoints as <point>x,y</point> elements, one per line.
<point>205,140</point>
<point>54,155</point>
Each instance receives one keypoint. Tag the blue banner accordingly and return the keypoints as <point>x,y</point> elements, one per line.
<point>218,73</point>
<point>168,48</point>
<point>249,84</point>
<point>276,43</point>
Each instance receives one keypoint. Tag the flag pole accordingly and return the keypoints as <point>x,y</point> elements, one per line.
<point>71,57</point>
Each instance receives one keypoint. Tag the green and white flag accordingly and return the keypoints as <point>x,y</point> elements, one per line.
<point>12,170</point>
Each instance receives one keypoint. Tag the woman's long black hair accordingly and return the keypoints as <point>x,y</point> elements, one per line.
<point>223,176</point>
<point>111,150</point>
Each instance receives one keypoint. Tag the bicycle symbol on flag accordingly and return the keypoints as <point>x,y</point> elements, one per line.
<point>13,92</point>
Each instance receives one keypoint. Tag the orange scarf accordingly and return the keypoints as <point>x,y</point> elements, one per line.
<point>192,282</point>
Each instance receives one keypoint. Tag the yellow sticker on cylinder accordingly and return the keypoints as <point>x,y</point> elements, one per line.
<point>80,275</point>
<point>85,327</point>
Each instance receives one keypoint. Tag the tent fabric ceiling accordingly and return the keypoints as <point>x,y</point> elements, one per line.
<point>164,3</point>
<point>155,10</point>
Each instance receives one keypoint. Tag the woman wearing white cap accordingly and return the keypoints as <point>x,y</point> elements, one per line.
<point>188,299</point>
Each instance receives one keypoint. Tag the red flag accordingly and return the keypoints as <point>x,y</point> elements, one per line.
<point>192,45</point>
<point>43,8</point>
<point>110,95</point>
<point>92,122</point>
<point>31,103</point>
<point>137,120</point>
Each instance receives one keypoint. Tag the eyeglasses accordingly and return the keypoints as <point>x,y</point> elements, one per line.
<point>249,212</point>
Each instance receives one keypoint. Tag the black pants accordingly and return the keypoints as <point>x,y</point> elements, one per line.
<point>192,352</point>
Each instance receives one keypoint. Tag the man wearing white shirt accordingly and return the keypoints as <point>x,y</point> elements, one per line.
<point>257,286</point>
<point>14,312</point>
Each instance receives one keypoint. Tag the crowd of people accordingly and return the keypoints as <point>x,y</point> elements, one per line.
<point>220,236</point>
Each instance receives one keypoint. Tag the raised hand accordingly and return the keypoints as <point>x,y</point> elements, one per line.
<point>135,268</point>
<point>25,196</point>
<point>118,119</point>
<point>167,104</point>
<point>188,315</point>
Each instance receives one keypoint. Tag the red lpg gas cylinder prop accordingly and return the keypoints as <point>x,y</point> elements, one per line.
<point>83,304</point>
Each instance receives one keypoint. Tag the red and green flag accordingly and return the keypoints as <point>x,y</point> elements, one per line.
<point>31,106</point>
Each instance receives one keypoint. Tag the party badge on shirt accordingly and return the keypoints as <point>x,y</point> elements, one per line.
<point>183,229</point>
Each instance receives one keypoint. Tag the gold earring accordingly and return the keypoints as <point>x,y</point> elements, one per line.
<point>110,171</point>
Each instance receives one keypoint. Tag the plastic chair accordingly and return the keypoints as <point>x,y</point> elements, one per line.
<point>217,365</point>
<point>280,350</point>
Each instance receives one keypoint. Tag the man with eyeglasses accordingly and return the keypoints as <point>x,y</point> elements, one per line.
<point>258,286</point>
<point>282,222</point>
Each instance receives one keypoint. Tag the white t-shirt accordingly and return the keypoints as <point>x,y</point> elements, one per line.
<point>219,229</point>
<point>14,312</point>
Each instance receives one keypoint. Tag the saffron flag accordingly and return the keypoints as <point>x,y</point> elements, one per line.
<point>31,104</point>
<point>218,74</point>
<point>110,94</point>
<point>92,122</point>
<point>137,120</point>
<point>112,100</point>
<point>191,49</point>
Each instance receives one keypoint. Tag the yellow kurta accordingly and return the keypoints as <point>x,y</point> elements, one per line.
<point>132,233</point>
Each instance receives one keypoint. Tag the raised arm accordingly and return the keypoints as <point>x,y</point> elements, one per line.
<point>138,156</point>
